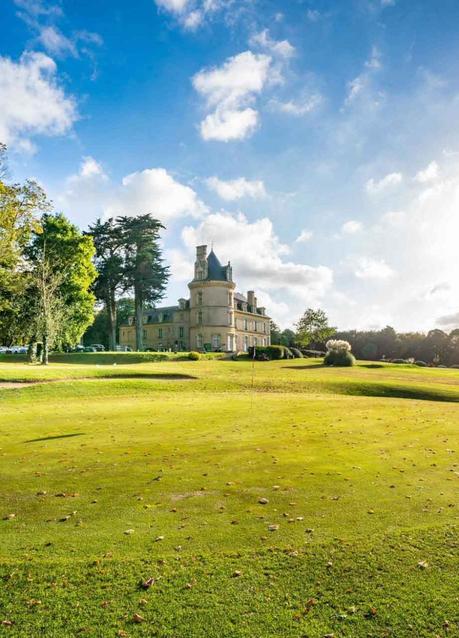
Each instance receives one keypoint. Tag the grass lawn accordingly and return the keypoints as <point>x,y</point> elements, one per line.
<point>118,468</point>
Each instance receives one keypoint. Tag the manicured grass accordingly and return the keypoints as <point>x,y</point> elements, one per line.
<point>359,467</point>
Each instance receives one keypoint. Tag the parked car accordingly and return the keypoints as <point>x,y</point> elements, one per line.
<point>89,349</point>
<point>78,348</point>
<point>98,347</point>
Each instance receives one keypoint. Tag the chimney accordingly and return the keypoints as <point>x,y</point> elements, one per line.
<point>251,299</point>
<point>201,252</point>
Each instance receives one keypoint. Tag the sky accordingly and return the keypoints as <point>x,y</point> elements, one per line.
<point>314,143</point>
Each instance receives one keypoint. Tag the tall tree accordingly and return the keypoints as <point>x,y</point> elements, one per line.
<point>20,205</point>
<point>109,261</point>
<point>66,255</point>
<point>144,271</point>
<point>313,328</point>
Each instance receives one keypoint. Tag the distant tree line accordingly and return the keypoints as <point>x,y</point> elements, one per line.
<point>52,275</point>
<point>312,332</point>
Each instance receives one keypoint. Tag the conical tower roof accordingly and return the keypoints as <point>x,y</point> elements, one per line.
<point>215,271</point>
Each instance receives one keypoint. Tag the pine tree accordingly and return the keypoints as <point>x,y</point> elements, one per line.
<point>144,272</point>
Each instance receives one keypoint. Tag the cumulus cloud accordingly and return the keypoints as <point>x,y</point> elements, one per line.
<point>429,174</point>
<point>234,189</point>
<point>369,268</point>
<point>378,186</point>
<point>155,191</point>
<point>90,193</point>
<point>351,227</point>
<point>282,48</point>
<point>228,91</point>
<point>31,100</point>
<point>258,255</point>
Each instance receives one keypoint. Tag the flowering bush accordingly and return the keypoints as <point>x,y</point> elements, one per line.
<point>339,345</point>
<point>338,353</point>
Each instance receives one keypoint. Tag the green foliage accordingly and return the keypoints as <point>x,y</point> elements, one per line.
<point>20,205</point>
<point>421,364</point>
<point>68,255</point>
<point>339,358</point>
<point>144,273</point>
<point>296,353</point>
<point>313,328</point>
<point>194,356</point>
<point>272,352</point>
<point>109,261</point>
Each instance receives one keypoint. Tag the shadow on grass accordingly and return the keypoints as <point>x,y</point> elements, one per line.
<point>371,366</point>
<point>52,438</point>
<point>173,376</point>
<point>394,392</point>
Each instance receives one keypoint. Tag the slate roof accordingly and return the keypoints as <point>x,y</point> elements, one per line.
<point>215,271</point>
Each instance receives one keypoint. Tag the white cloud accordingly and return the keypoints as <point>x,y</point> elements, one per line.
<point>298,108</point>
<point>229,90</point>
<point>351,227</point>
<point>361,85</point>
<point>429,174</point>
<point>389,181</point>
<point>31,101</point>
<point>90,194</point>
<point>394,217</point>
<point>282,48</point>
<point>192,14</point>
<point>259,257</point>
<point>304,236</point>
<point>234,189</point>
<point>55,42</point>
<point>369,268</point>
<point>175,6</point>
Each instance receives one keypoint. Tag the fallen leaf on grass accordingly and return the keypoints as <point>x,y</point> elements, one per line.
<point>137,618</point>
<point>146,584</point>
<point>423,564</point>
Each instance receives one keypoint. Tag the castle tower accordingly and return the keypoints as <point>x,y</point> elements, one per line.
<point>212,325</point>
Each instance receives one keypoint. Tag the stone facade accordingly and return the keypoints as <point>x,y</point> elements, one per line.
<point>214,318</point>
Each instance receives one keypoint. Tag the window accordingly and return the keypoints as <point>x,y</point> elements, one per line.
<point>199,298</point>
<point>160,333</point>
<point>216,342</point>
<point>246,324</point>
<point>144,334</point>
<point>246,343</point>
<point>181,332</point>
<point>199,341</point>
<point>255,341</point>
<point>200,317</point>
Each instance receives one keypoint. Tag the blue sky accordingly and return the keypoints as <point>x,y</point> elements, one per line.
<point>314,142</point>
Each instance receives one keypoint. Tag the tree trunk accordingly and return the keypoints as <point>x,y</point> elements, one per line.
<point>32,352</point>
<point>45,351</point>
<point>111,312</point>
<point>138,323</point>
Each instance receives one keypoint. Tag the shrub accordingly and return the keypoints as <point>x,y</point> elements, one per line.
<point>421,364</point>
<point>399,361</point>
<point>455,366</point>
<point>341,358</point>
<point>194,356</point>
<point>296,353</point>
<point>339,353</point>
<point>288,354</point>
<point>272,352</point>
